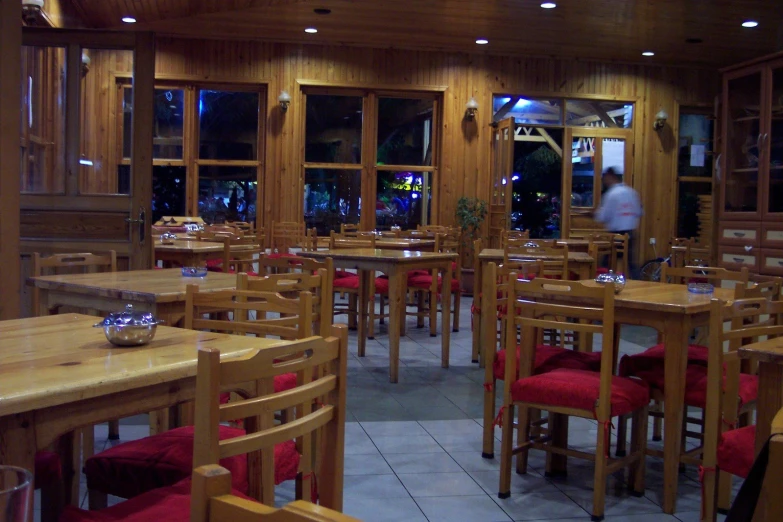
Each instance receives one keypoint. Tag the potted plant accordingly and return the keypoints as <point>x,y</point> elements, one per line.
<point>471,213</point>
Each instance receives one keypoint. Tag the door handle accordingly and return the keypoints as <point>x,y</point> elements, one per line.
<point>140,221</point>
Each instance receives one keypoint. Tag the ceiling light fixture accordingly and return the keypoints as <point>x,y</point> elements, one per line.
<point>482,41</point>
<point>311,30</point>
<point>549,5</point>
<point>648,53</point>
<point>750,24</point>
<point>128,19</point>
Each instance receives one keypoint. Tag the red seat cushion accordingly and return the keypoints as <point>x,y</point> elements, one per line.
<point>550,358</point>
<point>580,389</point>
<point>351,282</point>
<point>47,468</point>
<point>736,451</point>
<point>425,281</point>
<point>339,274</point>
<point>649,365</point>
<point>215,265</point>
<point>382,285</point>
<point>135,467</point>
<point>282,382</point>
<point>696,387</point>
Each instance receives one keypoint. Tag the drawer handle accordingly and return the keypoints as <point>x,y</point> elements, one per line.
<point>739,234</point>
<point>739,259</point>
<point>780,262</point>
<point>748,248</point>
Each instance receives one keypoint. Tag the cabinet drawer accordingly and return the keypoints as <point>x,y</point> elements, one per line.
<point>736,257</point>
<point>739,233</point>
<point>772,262</point>
<point>772,235</point>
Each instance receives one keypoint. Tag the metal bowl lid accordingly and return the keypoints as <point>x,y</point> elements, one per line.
<point>168,235</point>
<point>532,244</point>
<point>609,277</point>
<point>129,317</point>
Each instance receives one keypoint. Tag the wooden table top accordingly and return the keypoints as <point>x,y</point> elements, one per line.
<point>379,254</point>
<point>402,242</point>
<point>189,246</point>
<point>769,350</point>
<point>57,359</point>
<point>665,297</point>
<point>496,254</point>
<point>150,286</point>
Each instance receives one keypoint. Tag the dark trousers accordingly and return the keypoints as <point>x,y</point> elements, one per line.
<point>631,257</point>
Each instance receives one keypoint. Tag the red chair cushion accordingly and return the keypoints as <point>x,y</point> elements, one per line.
<point>736,451</point>
<point>351,282</point>
<point>649,365</point>
<point>579,389</point>
<point>414,273</point>
<point>215,265</point>
<point>550,358</point>
<point>135,467</point>
<point>339,274</point>
<point>696,387</point>
<point>47,468</point>
<point>382,285</point>
<point>282,382</point>
<point>425,281</point>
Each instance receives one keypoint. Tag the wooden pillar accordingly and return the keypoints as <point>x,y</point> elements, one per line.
<point>10,82</point>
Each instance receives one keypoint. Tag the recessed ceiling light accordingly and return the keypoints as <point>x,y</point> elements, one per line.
<point>750,23</point>
<point>482,41</point>
<point>311,30</point>
<point>322,11</point>
<point>128,19</point>
<point>648,53</point>
<point>549,5</point>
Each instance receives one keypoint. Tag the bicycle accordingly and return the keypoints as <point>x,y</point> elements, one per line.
<point>651,270</point>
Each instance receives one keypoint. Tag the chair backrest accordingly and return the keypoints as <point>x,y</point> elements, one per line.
<point>620,254</point>
<point>268,264</point>
<point>451,242</point>
<point>319,284</point>
<point>761,286</point>
<point>539,304</point>
<point>80,263</point>
<point>431,229</point>
<point>359,240</point>
<point>174,221</point>
<point>555,256</point>
<point>320,365</point>
<point>505,235</point>
<point>348,229</point>
<point>295,319</point>
<point>601,248</point>
<point>287,235</point>
<point>714,275</point>
<point>213,501</point>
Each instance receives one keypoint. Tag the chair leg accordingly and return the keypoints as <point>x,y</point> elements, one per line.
<point>507,446</point>
<point>638,447</point>
<point>420,309</point>
<point>455,311</point>
<point>97,500</point>
<point>657,423</point>
<point>381,316</point>
<point>371,326</point>
<point>488,446</point>
<point>724,491</point>
<point>558,431</point>
<point>88,443</point>
<point>114,430</point>
<point>622,428</point>
<point>52,501</point>
<point>434,314</point>
<point>599,476</point>
<point>352,312</point>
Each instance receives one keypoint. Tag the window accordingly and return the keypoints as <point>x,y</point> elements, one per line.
<point>333,129</point>
<point>694,171</point>
<point>227,193</point>
<point>595,113</point>
<point>228,125</point>
<point>167,142</point>
<point>332,197</point>
<point>528,110</point>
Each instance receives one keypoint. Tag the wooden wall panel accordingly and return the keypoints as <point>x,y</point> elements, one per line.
<point>54,225</point>
<point>465,146</point>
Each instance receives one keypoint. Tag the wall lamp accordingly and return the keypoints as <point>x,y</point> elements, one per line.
<point>31,10</point>
<point>660,120</point>
<point>285,100</point>
<point>85,64</point>
<point>470,109</point>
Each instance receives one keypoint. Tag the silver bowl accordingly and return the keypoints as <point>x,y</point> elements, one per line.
<point>618,280</point>
<point>129,328</point>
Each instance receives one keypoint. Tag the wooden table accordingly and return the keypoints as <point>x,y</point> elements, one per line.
<point>59,374</point>
<point>674,312</point>
<point>769,354</point>
<point>401,243</point>
<point>187,252</point>
<point>161,292</point>
<point>395,264</point>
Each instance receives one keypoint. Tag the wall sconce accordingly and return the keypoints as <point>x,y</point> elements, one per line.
<point>31,10</point>
<point>660,120</point>
<point>470,109</point>
<point>285,100</point>
<point>85,64</point>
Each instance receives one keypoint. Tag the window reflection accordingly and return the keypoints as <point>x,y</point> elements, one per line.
<point>403,199</point>
<point>227,193</point>
<point>228,125</point>
<point>333,131</point>
<point>332,197</point>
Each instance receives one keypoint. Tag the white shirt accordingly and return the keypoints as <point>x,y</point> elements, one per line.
<point>620,209</point>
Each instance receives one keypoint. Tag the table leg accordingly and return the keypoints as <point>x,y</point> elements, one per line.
<point>675,335</point>
<point>18,446</point>
<point>446,308</point>
<point>396,293</point>
<point>475,318</point>
<point>364,289</point>
<point>487,327</point>
<point>770,400</point>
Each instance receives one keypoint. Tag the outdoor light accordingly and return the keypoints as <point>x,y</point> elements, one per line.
<point>470,109</point>
<point>31,10</point>
<point>660,120</point>
<point>285,100</point>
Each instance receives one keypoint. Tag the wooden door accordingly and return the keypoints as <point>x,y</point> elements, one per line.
<point>74,198</point>
<point>592,150</point>
<point>500,178</point>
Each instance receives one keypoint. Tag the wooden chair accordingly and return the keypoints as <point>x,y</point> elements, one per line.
<point>505,235</point>
<point>349,230</point>
<point>213,501</point>
<point>345,282</point>
<point>58,264</point>
<point>620,254</point>
<point>707,274</point>
<point>567,392</point>
<point>555,264</point>
<point>287,235</point>
<point>432,229</point>
<point>728,449</point>
<point>268,265</point>
<point>311,446</point>
<point>601,247</point>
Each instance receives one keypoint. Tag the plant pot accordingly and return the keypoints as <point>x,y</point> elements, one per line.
<point>468,281</point>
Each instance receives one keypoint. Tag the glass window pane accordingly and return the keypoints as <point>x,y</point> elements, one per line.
<point>42,123</point>
<point>403,199</point>
<point>333,132</point>
<point>695,146</point>
<point>227,193</point>
<point>527,110</point>
<point>743,147</point>
<point>332,197</point>
<point>775,141</point>
<point>228,125</point>
<point>169,109</point>
<point>613,156</point>
<point>98,162</point>
<point>168,191</point>
<point>582,172</point>
<point>404,131</point>
<point>596,113</point>
<point>537,183</point>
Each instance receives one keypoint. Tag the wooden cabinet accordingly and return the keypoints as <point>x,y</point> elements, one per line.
<point>751,195</point>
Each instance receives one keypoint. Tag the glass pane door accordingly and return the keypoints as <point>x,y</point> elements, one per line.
<point>773,142</point>
<point>743,144</point>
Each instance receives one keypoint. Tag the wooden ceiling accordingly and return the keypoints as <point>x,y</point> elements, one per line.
<point>607,30</point>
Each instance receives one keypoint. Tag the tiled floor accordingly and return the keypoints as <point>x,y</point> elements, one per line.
<point>413,449</point>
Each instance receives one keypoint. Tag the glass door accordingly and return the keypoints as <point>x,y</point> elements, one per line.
<point>743,146</point>
<point>501,189</point>
<point>772,143</point>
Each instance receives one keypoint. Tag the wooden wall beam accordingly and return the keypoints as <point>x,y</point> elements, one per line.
<point>10,92</point>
